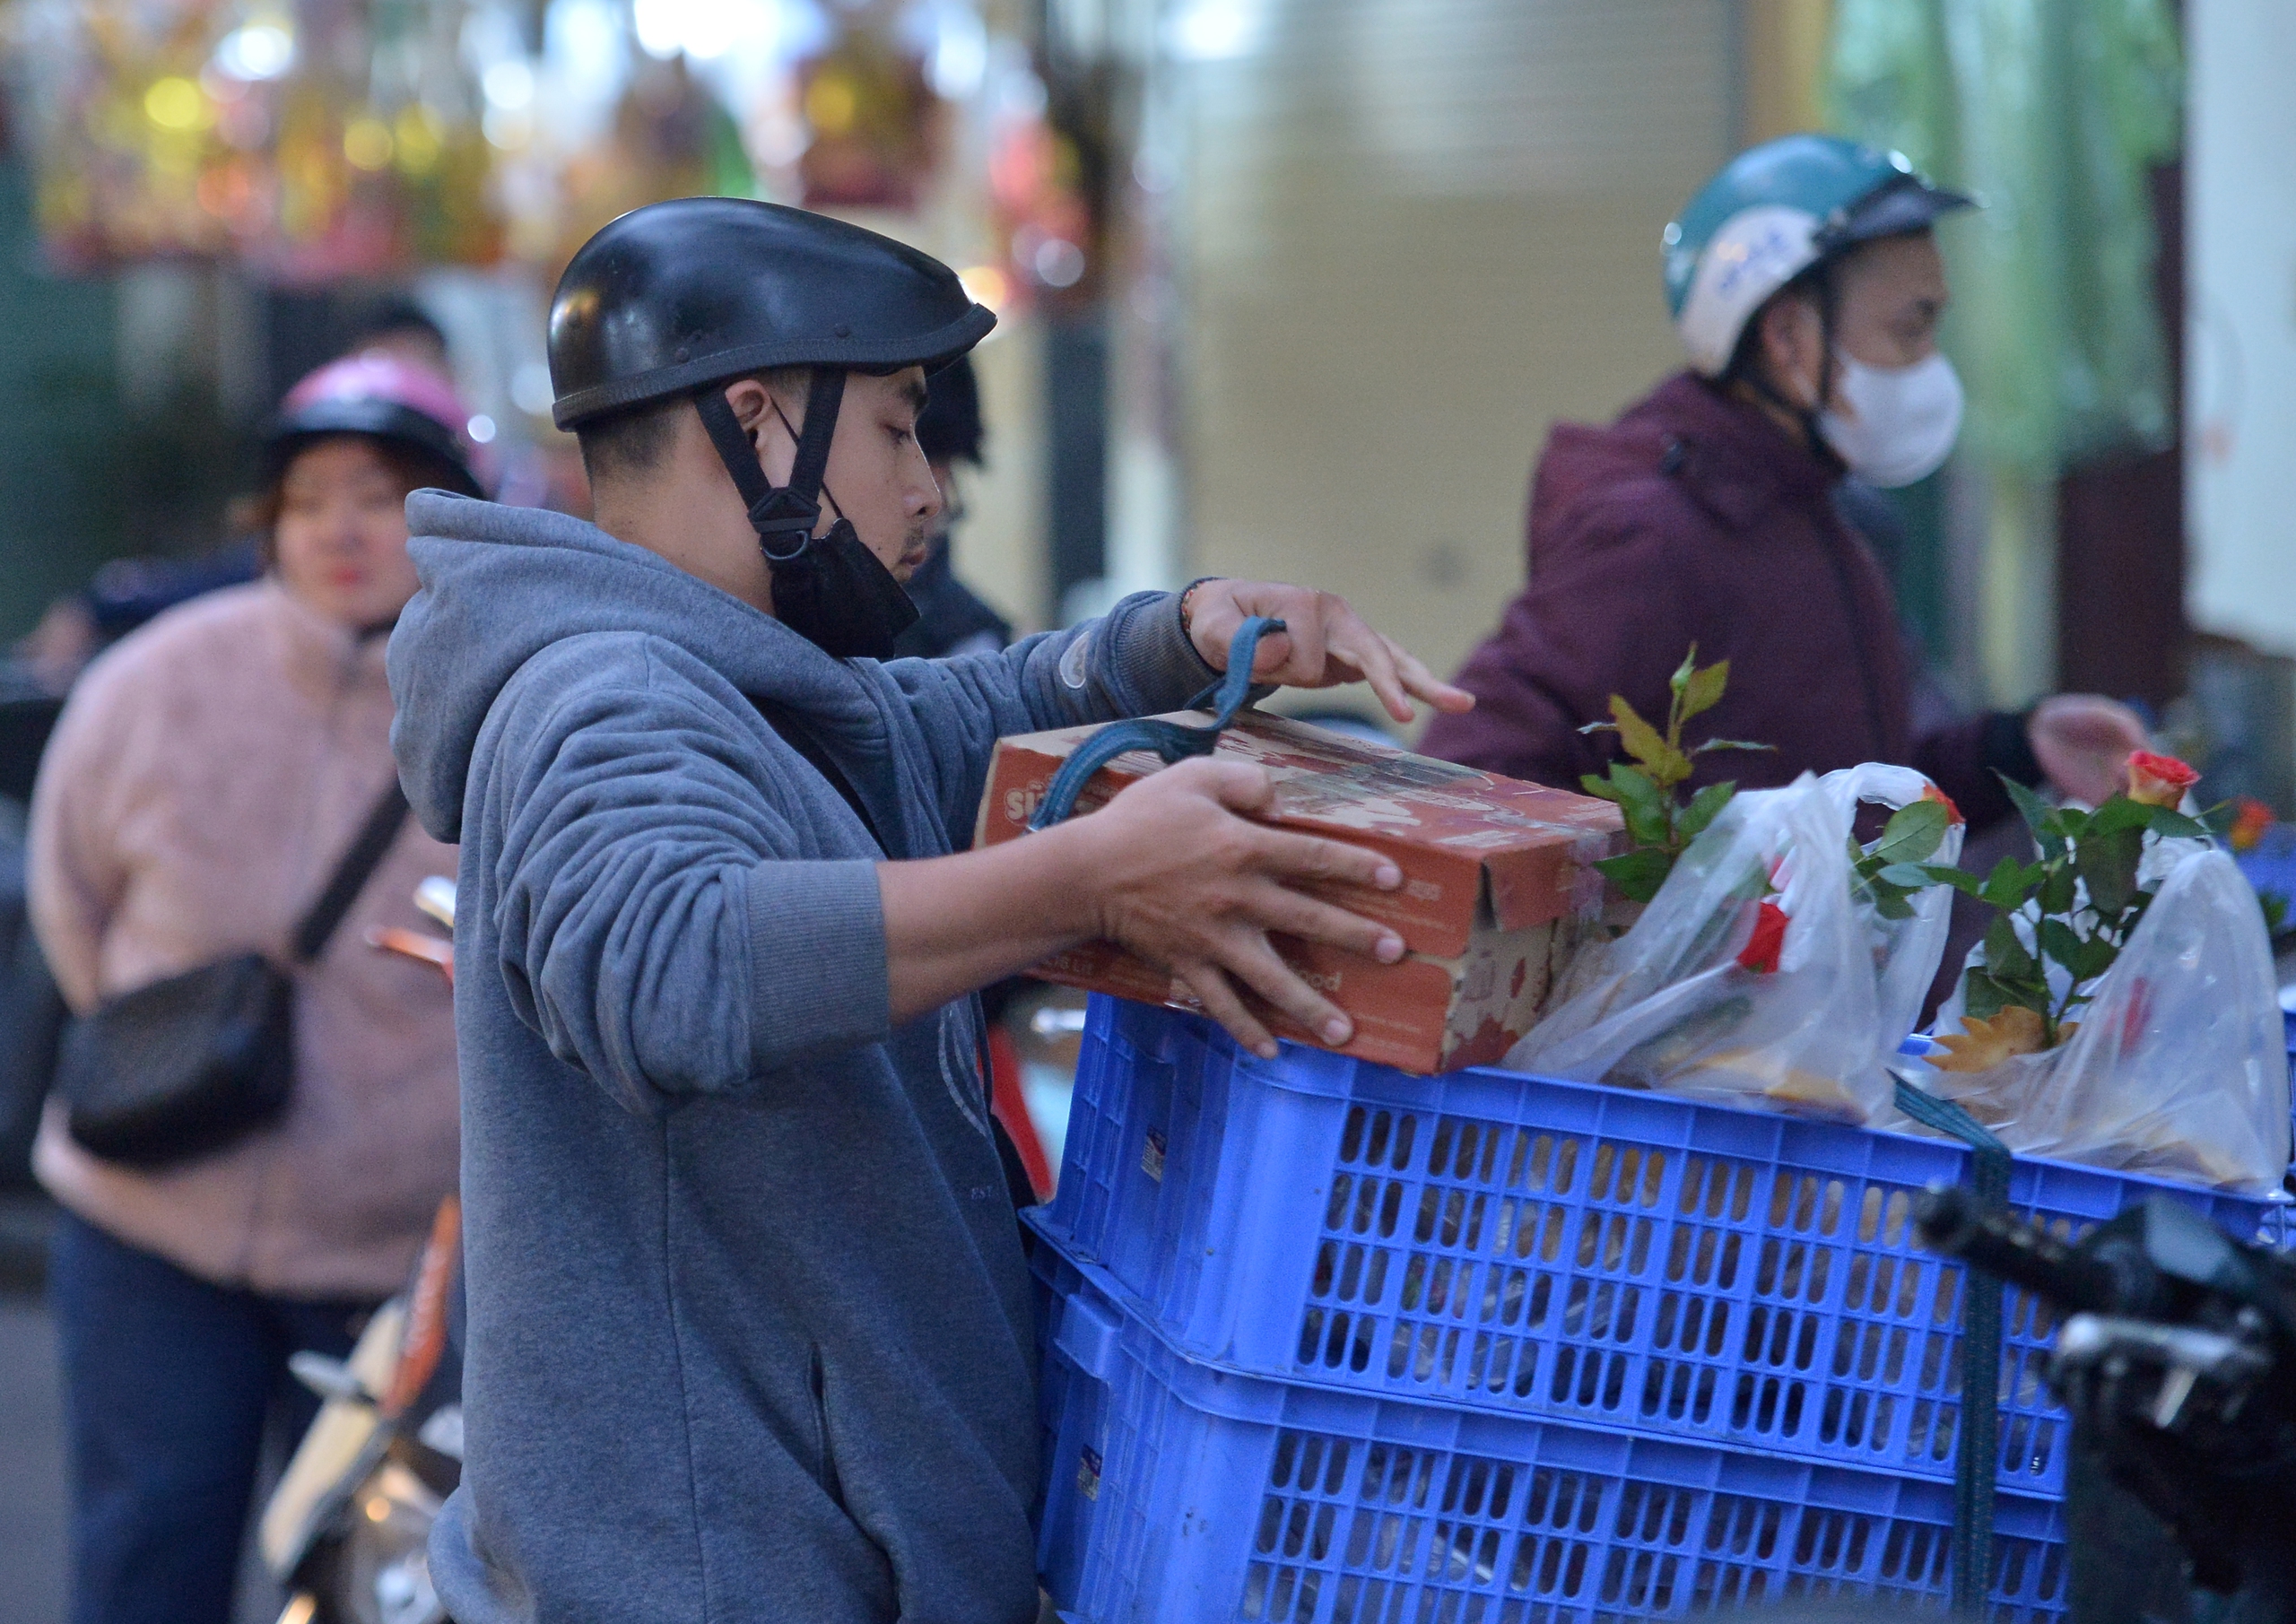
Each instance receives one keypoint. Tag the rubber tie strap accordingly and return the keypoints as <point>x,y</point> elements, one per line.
<point>1171,742</point>
<point>1978,1460</point>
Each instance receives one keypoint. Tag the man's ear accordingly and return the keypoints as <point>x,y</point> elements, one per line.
<point>1790,336</point>
<point>752,404</point>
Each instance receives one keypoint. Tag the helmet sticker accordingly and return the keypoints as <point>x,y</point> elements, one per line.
<point>1756,252</point>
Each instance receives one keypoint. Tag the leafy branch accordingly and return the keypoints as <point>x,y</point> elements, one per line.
<point>1660,824</point>
<point>2074,908</point>
<point>1886,877</point>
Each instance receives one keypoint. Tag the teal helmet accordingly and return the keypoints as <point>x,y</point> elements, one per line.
<point>1773,211</point>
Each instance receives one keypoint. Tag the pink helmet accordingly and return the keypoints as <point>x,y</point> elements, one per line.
<point>382,395</point>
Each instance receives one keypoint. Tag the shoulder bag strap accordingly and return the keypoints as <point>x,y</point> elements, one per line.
<point>352,873</point>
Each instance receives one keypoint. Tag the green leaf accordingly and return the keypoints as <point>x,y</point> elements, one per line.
<point>1704,807</point>
<point>1906,876</point>
<point>1983,996</point>
<point>2108,867</point>
<point>2170,824</point>
<point>1960,879</point>
<point>1637,874</point>
<point>2006,958</point>
<point>2006,885</point>
<point>2056,889</point>
<point>1730,744</point>
<point>1665,764</point>
<point>1889,902</point>
<point>2095,958</point>
<point>1602,788</point>
<point>1914,832</point>
<point>1703,691</point>
<point>2058,942</point>
<point>2040,816</point>
<point>1646,807</point>
<point>1599,727</point>
<point>2275,913</point>
<point>2119,813</point>
<point>1641,739</point>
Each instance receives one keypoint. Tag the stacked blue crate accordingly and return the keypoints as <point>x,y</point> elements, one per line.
<point>1536,1263</point>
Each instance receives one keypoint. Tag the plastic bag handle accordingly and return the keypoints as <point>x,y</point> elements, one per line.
<point>1170,740</point>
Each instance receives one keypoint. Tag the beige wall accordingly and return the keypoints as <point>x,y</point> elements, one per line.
<point>1416,232</point>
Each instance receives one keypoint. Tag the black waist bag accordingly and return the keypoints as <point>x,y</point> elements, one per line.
<point>188,1065</point>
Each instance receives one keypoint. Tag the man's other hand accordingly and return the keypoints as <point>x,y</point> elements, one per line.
<point>2082,741</point>
<point>1193,888</point>
<point>1324,644</point>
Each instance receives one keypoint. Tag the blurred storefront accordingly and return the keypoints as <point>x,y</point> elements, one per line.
<point>1289,287</point>
<point>203,189</point>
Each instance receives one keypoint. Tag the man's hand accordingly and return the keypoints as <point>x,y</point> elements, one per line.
<point>2083,742</point>
<point>1324,644</point>
<point>1193,888</point>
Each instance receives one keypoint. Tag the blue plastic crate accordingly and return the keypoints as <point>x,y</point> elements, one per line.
<point>1541,1249</point>
<point>1179,1491</point>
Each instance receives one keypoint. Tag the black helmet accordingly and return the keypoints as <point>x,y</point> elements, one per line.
<point>676,298</point>
<point>679,295</point>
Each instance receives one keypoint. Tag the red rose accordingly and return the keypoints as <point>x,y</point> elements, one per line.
<point>1930,792</point>
<point>1761,952</point>
<point>2159,780</point>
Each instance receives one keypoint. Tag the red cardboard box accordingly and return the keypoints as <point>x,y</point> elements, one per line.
<point>1498,882</point>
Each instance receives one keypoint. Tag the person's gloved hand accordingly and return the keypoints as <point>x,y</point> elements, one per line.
<point>2082,741</point>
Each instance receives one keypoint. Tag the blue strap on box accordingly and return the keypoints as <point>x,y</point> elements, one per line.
<point>1977,1459</point>
<point>1172,741</point>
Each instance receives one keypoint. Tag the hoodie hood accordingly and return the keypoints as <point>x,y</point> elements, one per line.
<point>500,584</point>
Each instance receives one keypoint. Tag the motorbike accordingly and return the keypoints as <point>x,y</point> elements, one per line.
<point>2176,1358</point>
<point>347,1530</point>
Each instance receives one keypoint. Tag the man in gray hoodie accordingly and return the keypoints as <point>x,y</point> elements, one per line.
<point>749,1332</point>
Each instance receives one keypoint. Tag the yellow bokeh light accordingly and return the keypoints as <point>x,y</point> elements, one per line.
<point>830,103</point>
<point>176,103</point>
<point>367,144</point>
<point>417,139</point>
<point>987,285</point>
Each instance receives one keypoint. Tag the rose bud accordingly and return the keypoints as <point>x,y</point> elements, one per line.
<point>2159,780</point>
<point>1930,792</point>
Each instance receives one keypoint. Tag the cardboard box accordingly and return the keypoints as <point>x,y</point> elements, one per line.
<point>1498,882</point>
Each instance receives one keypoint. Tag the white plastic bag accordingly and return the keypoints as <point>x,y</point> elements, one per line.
<point>1670,1006</point>
<point>2179,1066</point>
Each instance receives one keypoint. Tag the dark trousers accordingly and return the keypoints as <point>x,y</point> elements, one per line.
<point>166,1382</point>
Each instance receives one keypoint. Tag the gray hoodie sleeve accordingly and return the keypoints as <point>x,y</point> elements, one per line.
<point>663,923</point>
<point>1134,660</point>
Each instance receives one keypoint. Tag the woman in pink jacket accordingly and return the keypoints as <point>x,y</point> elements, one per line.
<point>201,788</point>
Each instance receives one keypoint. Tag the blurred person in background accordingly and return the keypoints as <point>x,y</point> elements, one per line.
<point>951,618</point>
<point>207,776</point>
<point>397,326</point>
<point>1806,285</point>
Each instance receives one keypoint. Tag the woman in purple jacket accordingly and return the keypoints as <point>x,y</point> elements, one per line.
<point>1805,284</point>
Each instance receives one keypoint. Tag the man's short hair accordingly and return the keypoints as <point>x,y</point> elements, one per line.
<point>635,440</point>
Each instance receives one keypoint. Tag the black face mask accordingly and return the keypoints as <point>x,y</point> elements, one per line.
<point>839,596</point>
<point>828,589</point>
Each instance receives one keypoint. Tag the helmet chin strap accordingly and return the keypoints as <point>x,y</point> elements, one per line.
<point>828,589</point>
<point>783,515</point>
<point>1757,378</point>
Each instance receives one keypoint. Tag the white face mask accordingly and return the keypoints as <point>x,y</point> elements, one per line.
<point>1906,419</point>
